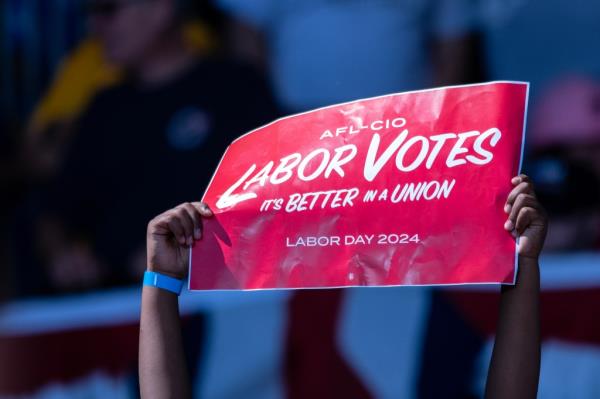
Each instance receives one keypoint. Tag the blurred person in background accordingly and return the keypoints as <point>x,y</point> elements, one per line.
<point>84,72</point>
<point>564,136</point>
<point>165,125</point>
<point>323,52</point>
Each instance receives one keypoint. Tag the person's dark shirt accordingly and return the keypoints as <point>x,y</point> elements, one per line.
<point>139,152</point>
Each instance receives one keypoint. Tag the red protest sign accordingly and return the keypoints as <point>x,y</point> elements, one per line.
<point>404,189</point>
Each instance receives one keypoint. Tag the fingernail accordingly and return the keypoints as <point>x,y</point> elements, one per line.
<point>516,180</point>
<point>189,241</point>
<point>206,209</point>
<point>197,234</point>
<point>509,225</point>
<point>507,208</point>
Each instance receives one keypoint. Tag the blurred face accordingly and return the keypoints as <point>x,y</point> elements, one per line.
<point>128,29</point>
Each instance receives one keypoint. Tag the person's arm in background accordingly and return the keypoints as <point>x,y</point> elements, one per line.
<point>65,228</point>
<point>515,365</point>
<point>162,367</point>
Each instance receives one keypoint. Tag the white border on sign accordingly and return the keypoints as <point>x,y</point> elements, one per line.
<point>519,172</point>
<point>516,268</point>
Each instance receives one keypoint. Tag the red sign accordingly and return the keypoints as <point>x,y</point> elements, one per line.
<point>403,189</point>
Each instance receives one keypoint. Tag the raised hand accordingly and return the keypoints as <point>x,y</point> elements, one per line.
<point>170,236</point>
<point>526,217</point>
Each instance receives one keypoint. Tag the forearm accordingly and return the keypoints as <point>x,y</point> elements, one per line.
<point>163,372</point>
<point>515,365</point>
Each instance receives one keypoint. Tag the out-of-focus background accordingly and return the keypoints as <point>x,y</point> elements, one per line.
<point>115,110</point>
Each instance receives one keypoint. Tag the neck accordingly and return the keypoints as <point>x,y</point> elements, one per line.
<point>165,61</point>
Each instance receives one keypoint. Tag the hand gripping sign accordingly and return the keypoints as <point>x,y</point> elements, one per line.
<point>403,189</point>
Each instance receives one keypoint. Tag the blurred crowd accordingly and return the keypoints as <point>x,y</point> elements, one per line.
<point>114,110</point>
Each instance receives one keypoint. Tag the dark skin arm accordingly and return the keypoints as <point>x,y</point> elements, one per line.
<point>514,370</point>
<point>515,365</point>
<point>163,372</point>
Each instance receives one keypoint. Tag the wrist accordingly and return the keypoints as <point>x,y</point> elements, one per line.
<point>155,295</point>
<point>164,282</point>
<point>156,300</point>
<point>528,261</point>
<point>528,276</point>
<point>534,258</point>
<point>155,269</point>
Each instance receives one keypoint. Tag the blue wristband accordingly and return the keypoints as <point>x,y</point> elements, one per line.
<point>162,281</point>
